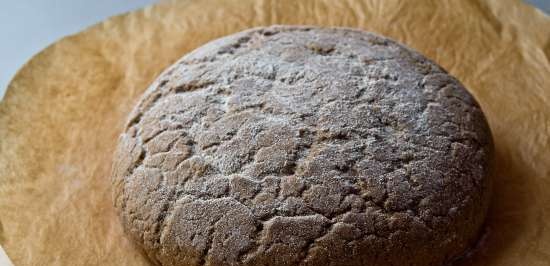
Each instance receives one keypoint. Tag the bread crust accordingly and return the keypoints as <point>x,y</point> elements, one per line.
<point>292,145</point>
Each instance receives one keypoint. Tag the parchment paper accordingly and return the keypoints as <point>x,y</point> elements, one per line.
<point>62,114</point>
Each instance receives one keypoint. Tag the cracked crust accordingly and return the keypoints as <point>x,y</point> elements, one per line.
<point>303,146</point>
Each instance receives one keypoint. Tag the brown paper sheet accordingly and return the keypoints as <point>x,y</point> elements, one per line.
<point>63,111</point>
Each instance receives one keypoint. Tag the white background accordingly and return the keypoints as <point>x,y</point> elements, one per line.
<point>28,26</point>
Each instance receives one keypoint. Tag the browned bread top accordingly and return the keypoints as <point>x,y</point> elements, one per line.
<point>304,146</point>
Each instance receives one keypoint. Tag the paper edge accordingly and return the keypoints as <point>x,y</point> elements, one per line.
<point>4,259</point>
<point>47,48</point>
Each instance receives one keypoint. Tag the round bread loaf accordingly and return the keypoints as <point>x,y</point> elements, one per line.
<point>304,146</point>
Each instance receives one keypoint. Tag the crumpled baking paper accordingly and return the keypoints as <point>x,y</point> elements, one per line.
<point>62,113</point>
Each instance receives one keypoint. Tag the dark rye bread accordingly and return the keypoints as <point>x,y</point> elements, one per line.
<point>304,146</point>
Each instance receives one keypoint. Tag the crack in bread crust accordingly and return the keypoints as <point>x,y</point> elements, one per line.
<point>303,146</point>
